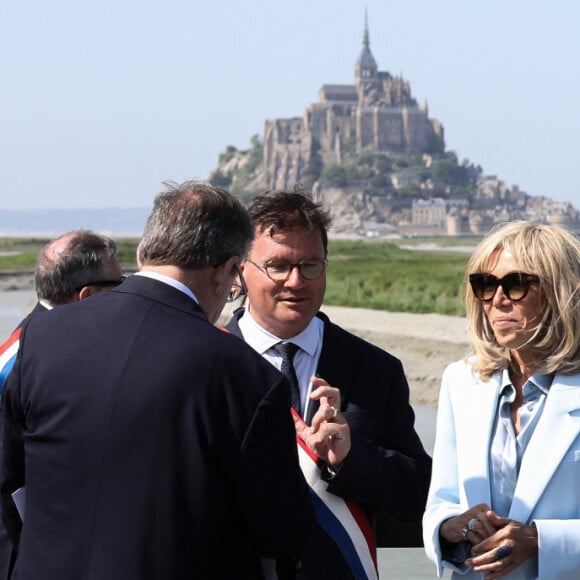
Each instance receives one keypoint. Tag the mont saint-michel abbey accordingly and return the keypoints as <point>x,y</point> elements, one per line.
<point>377,113</point>
<point>371,152</point>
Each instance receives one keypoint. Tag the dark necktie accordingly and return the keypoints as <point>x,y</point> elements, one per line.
<point>287,350</point>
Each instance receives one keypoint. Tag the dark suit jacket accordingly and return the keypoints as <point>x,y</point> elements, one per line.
<point>6,548</point>
<point>387,470</point>
<point>38,307</point>
<point>151,441</point>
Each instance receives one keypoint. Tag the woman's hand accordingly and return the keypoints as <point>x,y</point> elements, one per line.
<point>472,525</point>
<point>512,544</point>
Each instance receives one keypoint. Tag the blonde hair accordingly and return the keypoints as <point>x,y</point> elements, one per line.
<point>553,254</point>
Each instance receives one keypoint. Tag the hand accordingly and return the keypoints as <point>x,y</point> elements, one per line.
<point>517,541</point>
<point>329,434</point>
<point>457,528</point>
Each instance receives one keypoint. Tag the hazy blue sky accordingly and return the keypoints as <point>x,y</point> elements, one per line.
<point>103,100</point>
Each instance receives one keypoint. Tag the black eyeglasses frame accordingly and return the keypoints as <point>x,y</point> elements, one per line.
<point>265,268</point>
<point>481,282</point>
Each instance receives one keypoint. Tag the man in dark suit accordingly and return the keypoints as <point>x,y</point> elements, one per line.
<point>69,268</point>
<point>148,440</point>
<point>353,396</point>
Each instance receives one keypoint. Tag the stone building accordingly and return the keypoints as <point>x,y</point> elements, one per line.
<point>432,211</point>
<point>377,114</point>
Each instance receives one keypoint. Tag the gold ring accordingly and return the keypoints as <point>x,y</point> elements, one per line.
<point>334,411</point>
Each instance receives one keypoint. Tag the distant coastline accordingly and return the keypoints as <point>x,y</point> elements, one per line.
<point>118,222</point>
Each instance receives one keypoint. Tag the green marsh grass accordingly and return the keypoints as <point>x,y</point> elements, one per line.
<point>364,274</point>
<point>381,276</point>
<point>21,253</point>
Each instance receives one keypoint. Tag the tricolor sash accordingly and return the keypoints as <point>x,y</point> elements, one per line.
<point>8,352</point>
<point>344,521</point>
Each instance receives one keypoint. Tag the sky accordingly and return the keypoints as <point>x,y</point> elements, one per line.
<point>102,101</point>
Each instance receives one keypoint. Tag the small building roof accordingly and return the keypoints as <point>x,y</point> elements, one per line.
<point>340,93</point>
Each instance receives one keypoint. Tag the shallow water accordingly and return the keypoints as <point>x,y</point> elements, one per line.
<point>14,305</point>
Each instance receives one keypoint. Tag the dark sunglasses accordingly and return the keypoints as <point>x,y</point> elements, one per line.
<point>515,285</point>
<point>103,283</point>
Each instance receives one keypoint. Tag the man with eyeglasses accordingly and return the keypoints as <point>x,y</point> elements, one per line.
<point>141,440</point>
<point>69,268</point>
<point>355,428</point>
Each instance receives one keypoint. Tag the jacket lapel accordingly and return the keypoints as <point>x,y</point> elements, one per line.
<point>473,437</point>
<point>336,365</point>
<point>557,428</point>
<point>233,325</point>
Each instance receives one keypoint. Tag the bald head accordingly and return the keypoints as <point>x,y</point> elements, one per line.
<point>58,246</point>
<point>73,261</point>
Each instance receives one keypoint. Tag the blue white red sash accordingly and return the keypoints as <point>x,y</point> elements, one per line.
<point>8,352</point>
<point>344,521</point>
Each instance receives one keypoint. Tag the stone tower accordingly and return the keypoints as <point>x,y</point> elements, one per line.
<point>376,114</point>
<point>366,66</point>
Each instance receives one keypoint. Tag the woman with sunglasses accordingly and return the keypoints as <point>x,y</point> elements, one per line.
<point>504,500</point>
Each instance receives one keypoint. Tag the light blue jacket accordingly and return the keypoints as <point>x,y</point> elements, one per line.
<point>548,488</point>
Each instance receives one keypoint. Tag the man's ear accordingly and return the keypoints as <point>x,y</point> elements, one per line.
<point>87,291</point>
<point>222,275</point>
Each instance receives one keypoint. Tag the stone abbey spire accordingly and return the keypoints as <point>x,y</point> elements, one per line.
<point>376,114</point>
<point>366,66</point>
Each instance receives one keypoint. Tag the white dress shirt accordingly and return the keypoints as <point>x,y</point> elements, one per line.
<point>306,359</point>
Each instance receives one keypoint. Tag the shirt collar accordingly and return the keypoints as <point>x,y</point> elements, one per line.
<point>542,382</point>
<point>539,380</point>
<point>170,281</point>
<point>262,340</point>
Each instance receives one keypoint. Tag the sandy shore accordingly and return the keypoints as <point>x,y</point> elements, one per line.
<point>425,343</point>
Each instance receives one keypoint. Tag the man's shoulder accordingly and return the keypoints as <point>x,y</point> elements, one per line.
<point>8,351</point>
<point>238,346</point>
<point>39,308</point>
<point>232,326</point>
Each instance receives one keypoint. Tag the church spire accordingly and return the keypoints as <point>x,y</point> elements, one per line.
<point>366,42</point>
<point>366,66</point>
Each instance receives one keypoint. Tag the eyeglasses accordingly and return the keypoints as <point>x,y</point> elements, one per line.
<point>515,285</point>
<point>280,271</point>
<point>103,283</point>
<point>237,290</point>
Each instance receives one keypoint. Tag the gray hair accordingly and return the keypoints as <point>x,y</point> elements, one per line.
<point>194,225</point>
<point>71,261</point>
